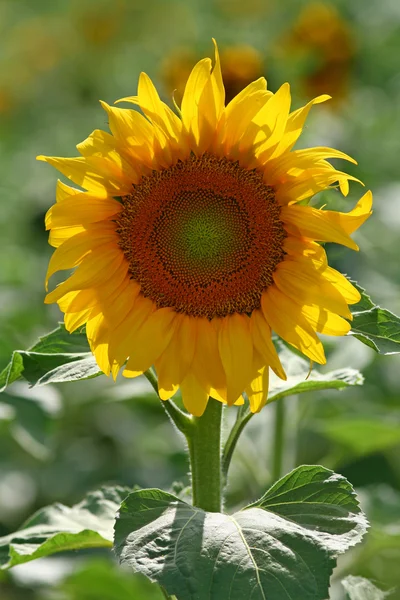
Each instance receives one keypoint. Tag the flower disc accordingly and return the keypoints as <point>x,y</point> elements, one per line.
<point>203,237</point>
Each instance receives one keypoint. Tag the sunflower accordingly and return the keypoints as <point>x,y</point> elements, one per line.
<point>190,245</point>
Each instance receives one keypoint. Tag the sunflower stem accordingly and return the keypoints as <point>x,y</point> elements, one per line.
<point>243,417</point>
<point>278,440</point>
<point>204,441</point>
<point>182,421</point>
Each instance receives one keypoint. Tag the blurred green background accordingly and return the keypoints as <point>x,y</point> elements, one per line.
<point>57,59</point>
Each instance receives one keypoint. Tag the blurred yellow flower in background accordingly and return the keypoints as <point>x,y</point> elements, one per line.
<point>324,41</point>
<point>31,50</point>
<point>191,245</point>
<point>240,65</point>
<point>238,8</point>
<point>99,22</point>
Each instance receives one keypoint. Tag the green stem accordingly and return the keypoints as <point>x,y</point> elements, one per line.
<point>278,440</point>
<point>182,421</point>
<point>204,441</point>
<point>243,417</point>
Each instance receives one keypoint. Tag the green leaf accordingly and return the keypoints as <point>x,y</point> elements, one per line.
<point>365,303</point>
<point>375,327</point>
<point>61,341</point>
<point>57,528</point>
<point>282,547</point>
<point>358,588</point>
<point>58,368</point>
<point>300,379</point>
<point>56,358</point>
<point>319,499</point>
<point>32,421</point>
<point>12,371</point>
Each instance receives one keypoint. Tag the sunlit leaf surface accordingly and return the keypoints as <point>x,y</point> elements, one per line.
<point>282,547</point>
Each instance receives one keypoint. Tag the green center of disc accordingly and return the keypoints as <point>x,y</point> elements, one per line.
<point>206,237</point>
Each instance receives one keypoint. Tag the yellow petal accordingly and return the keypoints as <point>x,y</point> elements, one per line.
<point>58,235</point>
<point>72,252</point>
<point>261,334</point>
<point>299,280</point>
<point>236,351</point>
<point>343,285</point>
<point>77,319</point>
<point>320,225</point>
<point>295,123</point>
<point>325,321</point>
<point>207,365</point>
<point>305,159</point>
<point>238,127</point>
<point>81,209</point>
<point>257,390</point>
<point>150,341</point>
<point>88,298</point>
<point>356,217</point>
<point>64,191</point>
<point>156,110</point>
<point>94,270</point>
<point>303,247</point>
<point>101,324</point>
<point>285,318</point>
<point>304,183</point>
<point>99,348</point>
<point>273,123</point>
<point>173,365</point>
<point>114,312</point>
<point>123,338</point>
<point>133,131</point>
<point>194,396</point>
<point>211,106</point>
<point>191,98</point>
<point>103,145</point>
<point>92,173</point>
<point>217,83</point>
<point>260,85</point>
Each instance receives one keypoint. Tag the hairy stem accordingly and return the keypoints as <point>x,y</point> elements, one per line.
<point>243,417</point>
<point>278,440</point>
<point>204,441</point>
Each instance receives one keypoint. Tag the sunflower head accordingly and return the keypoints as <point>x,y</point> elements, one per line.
<point>189,243</point>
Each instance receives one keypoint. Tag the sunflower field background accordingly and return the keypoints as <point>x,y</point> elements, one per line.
<point>57,59</point>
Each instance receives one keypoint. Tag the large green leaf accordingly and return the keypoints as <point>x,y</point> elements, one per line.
<point>57,528</point>
<point>376,327</point>
<point>300,379</point>
<point>358,588</point>
<point>282,547</point>
<point>57,357</point>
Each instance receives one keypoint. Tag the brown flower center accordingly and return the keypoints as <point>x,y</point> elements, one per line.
<point>203,236</point>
